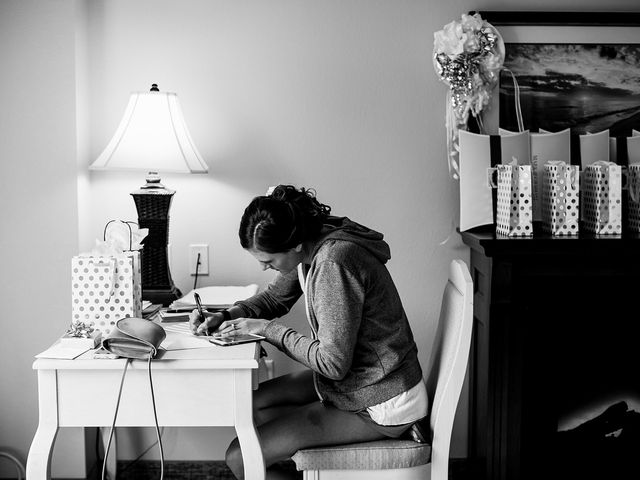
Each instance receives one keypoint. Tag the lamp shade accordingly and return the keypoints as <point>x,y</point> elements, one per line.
<point>152,136</point>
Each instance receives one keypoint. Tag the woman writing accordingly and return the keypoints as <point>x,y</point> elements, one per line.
<point>363,381</point>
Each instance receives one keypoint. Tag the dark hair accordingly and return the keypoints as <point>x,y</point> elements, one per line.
<point>281,220</point>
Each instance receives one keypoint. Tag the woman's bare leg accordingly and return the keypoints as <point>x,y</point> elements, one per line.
<point>308,425</point>
<point>277,396</point>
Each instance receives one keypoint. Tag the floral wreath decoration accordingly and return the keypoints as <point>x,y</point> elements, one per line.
<point>468,55</point>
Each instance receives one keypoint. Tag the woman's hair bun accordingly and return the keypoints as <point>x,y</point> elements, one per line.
<point>283,218</point>
<point>302,199</point>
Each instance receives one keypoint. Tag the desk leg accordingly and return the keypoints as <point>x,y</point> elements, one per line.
<point>245,428</point>
<point>39,458</point>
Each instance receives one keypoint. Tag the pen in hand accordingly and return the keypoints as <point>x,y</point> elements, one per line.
<point>200,311</point>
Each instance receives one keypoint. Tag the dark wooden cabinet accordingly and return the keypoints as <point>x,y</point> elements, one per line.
<point>556,332</point>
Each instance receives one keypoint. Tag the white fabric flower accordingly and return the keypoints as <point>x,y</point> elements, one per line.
<point>468,55</point>
<point>450,40</point>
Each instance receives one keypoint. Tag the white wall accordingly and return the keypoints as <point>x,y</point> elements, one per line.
<point>339,95</point>
<point>38,212</point>
<point>330,95</point>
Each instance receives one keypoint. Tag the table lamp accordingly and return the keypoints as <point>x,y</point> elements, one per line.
<point>153,136</point>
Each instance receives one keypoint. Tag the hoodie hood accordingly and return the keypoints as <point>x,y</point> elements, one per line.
<point>342,228</point>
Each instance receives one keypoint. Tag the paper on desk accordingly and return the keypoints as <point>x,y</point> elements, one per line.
<point>179,337</point>
<point>216,296</point>
<point>66,352</point>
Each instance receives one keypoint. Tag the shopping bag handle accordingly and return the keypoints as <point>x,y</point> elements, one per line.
<point>128,224</point>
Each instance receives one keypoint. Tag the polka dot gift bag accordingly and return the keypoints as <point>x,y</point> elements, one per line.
<point>561,198</point>
<point>633,197</point>
<point>106,283</point>
<point>602,198</point>
<point>514,210</point>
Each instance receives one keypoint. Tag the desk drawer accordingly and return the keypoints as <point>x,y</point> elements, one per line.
<point>183,398</point>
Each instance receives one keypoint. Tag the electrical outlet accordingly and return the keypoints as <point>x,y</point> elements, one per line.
<point>203,250</point>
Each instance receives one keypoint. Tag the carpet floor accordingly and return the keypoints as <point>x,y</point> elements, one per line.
<point>217,470</point>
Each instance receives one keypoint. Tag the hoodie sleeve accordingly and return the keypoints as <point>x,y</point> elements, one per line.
<point>276,300</point>
<point>337,298</point>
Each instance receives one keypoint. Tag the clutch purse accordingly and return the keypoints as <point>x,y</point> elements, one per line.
<point>134,338</point>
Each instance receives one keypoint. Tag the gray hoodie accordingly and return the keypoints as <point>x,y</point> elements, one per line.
<point>361,349</point>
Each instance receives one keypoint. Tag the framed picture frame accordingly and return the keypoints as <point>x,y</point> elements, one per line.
<point>578,70</point>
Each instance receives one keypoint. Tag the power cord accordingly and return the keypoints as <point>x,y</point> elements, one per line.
<point>139,457</point>
<point>132,462</point>
<point>19,467</point>
<point>155,417</point>
<point>115,416</point>
<point>113,424</point>
<point>195,281</point>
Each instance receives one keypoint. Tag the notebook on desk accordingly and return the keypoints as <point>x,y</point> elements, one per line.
<point>180,337</point>
<point>215,297</point>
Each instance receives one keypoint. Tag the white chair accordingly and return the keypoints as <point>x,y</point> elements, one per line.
<point>406,459</point>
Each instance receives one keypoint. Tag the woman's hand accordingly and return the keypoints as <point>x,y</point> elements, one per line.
<point>242,326</point>
<point>202,326</point>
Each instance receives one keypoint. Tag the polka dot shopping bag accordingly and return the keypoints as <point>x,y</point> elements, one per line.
<point>106,288</point>
<point>602,213</point>
<point>514,216</point>
<point>561,198</point>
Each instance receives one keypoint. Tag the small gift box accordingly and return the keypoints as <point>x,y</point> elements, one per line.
<point>602,198</point>
<point>81,334</point>
<point>561,198</point>
<point>514,209</point>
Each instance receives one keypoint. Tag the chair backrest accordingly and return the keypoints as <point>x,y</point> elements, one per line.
<point>448,364</point>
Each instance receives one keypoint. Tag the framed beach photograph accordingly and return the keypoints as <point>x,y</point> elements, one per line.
<point>578,70</point>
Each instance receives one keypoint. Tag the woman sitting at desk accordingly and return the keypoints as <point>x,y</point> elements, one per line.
<point>363,380</point>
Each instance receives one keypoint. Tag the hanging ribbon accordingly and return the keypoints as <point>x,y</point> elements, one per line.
<point>516,98</point>
<point>452,139</point>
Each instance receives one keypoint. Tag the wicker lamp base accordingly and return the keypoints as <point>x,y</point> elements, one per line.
<point>153,202</point>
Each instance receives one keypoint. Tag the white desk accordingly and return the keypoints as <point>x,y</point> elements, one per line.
<point>201,387</point>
